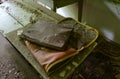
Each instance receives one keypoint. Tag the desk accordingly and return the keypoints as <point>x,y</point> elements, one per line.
<point>30,14</point>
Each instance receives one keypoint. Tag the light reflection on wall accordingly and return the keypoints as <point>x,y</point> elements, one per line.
<point>115,8</point>
<point>109,34</point>
<point>44,5</point>
<point>69,11</point>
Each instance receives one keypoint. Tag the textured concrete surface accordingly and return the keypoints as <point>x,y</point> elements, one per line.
<point>12,64</point>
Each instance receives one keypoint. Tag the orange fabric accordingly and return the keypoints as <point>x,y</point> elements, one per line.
<point>47,58</point>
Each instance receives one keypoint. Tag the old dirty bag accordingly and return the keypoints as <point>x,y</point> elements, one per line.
<point>48,34</point>
<point>57,61</point>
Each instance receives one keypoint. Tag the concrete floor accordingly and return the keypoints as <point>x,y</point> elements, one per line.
<point>12,64</point>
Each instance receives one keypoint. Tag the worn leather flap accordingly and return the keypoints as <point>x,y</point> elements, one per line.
<point>48,34</point>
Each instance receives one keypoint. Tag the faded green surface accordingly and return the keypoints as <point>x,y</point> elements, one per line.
<point>34,5</point>
<point>8,23</point>
<point>15,10</point>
